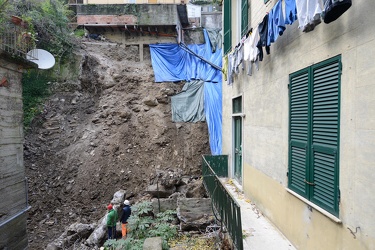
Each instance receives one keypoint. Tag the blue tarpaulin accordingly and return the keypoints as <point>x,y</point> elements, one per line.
<point>173,62</point>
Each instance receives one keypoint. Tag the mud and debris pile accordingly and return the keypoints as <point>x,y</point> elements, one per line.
<point>109,130</point>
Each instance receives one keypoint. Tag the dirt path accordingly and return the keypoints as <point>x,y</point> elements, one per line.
<point>111,130</point>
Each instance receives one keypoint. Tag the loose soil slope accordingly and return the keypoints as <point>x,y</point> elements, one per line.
<point>110,130</point>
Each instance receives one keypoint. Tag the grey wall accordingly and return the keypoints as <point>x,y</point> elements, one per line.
<point>13,202</point>
<point>211,20</point>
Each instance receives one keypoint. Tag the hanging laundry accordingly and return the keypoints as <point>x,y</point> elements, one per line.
<point>270,29</point>
<point>254,51</point>
<point>246,48</point>
<point>308,13</point>
<point>333,9</point>
<point>225,67</point>
<point>290,11</point>
<point>239,58</point>
<point>276,23</point>
<point>230,68</point>
<point>263,37</point>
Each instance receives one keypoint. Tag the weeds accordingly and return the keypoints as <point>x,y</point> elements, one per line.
<point>35,91</point>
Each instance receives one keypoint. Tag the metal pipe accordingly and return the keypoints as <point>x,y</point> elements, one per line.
<point>184,47</point>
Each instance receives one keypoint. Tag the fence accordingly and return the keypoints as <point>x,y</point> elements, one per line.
<point>224,204</point>
<point>16,41</point>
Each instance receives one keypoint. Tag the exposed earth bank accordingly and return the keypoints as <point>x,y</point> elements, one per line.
<point>109,130</point>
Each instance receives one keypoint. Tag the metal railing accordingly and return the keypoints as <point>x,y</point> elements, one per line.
<point>21,207</point>
<point>223,202</point>
<point>15,40</point>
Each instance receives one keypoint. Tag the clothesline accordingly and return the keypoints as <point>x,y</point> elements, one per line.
<point>309,13</point>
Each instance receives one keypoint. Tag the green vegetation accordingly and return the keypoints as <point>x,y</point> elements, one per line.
<point>143,224</point>
<point>47,21</point>
<point>35,90</point>
<point>79,32</point>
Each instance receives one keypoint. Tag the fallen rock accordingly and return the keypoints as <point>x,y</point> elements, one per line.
<point>195,189</point>
<point>97,237</point>
<point>165,204</point>
<point>118,198</point>
<point>150,101</point>
<point>73,234</point>
<point>194,213</point>
<point>154,243</point>
<point>160,191</point>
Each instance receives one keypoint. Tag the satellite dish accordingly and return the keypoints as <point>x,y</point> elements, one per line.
<point>43,58</point>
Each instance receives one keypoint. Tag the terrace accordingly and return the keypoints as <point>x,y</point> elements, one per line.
<point>16,42</point>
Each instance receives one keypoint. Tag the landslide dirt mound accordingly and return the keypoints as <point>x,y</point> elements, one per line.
<point>109,130</point>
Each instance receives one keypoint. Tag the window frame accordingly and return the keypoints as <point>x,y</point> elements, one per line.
<point>244,17</point>
<point>303,155</point>
<point>227,26</point>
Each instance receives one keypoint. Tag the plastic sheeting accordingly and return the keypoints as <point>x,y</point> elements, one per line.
<point>173,62</point>
<point>188,105</point>
<point>216,39</point>
<point>213,111</point>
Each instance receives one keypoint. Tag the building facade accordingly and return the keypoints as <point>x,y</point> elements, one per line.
<point>299,125</point>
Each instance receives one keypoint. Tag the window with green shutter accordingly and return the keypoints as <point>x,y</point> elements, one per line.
<point>244,17</point>
<point>227,26</point>
<point>314,133</point>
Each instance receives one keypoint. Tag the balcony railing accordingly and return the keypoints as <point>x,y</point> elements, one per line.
<point>224,204</point>
<point>15,40</point>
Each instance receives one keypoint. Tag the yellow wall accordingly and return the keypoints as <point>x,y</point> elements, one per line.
<point>306,227</point>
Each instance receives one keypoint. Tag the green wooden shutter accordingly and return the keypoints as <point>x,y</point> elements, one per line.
<point>325,134</point>
<point>244,17</point>
<point>299,128</point>
<point>227,26</point>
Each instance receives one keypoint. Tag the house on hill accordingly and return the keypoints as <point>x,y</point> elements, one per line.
<point>299,118</point>
<point>137,23</point>
<point>143,22</point>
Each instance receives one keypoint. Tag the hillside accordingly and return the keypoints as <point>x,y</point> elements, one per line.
<point>109,130</point>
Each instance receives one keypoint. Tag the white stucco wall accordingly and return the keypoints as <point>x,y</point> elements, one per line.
<point>265,127</point>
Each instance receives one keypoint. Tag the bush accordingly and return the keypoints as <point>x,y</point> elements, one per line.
<point>35,91</point>
<point>79,32</point>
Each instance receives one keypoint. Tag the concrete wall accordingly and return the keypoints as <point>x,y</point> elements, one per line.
<point>265,128</point>
<point>14,235</point>
<point>142,14</point>
<point>106,19</point>
<point>211,20</point>
<point>124,38</point>
<point>13,201</point>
